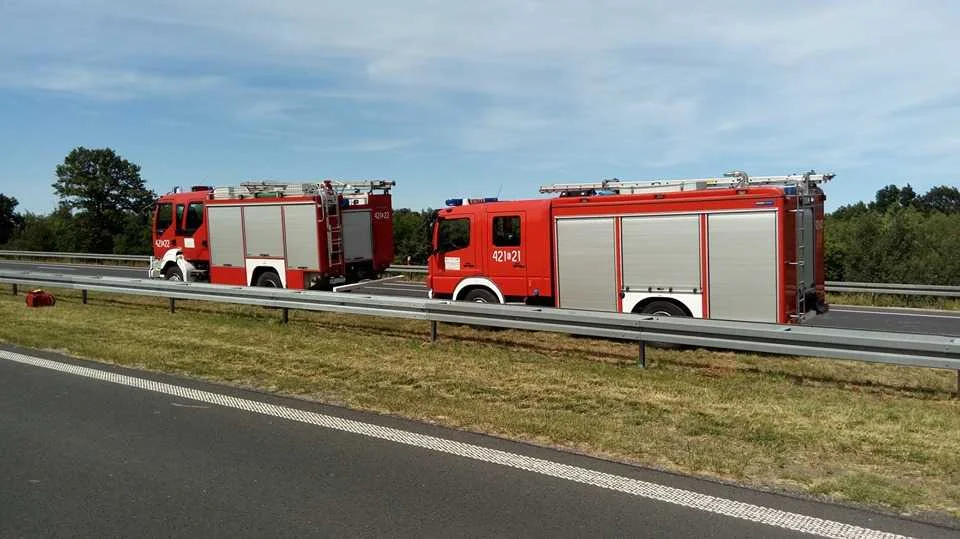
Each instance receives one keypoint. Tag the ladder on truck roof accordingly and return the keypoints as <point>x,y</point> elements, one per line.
<point>729,180</point>
<point>266,188</point>
<point>356,186</point>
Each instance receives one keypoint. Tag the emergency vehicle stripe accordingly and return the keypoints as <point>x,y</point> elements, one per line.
<point>643,489</point>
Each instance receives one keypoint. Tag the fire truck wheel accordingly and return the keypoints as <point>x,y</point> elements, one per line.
<point>173,273</point>
<point>269,279</point>
<point>663,308</point>
<point>481,295</point>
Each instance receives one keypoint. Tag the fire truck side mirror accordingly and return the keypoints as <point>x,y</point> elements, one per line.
<point>434,224</point>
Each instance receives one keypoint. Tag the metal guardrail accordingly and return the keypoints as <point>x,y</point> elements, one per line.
<point>891,288</point>
<point>832,286</point>
<point>76,256</point>
<point>893,348</point>
<point>404,268</point>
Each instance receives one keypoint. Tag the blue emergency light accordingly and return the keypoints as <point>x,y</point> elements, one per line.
<point>462,201</point>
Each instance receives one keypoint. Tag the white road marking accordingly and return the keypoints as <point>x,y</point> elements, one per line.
<point>642,489</point>
<point>361,290</point>
<point>891,313</point>
<point>178,405</point>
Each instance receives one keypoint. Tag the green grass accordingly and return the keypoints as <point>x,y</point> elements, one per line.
<point>879,435</point>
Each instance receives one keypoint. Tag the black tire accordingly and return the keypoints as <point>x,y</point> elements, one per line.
<point>481,295</point>
<point>173,273</point>
<point>664,308</point>
<point>269,279</point>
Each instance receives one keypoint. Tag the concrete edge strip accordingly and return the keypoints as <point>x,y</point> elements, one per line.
<point>644,489</point>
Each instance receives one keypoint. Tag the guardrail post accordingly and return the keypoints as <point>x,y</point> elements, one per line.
<point>642,358</point>
<point>286,315</point>
<point>173,305</point>
<point>14,289</point>
<point>433,331</point>
<point>83,297</point>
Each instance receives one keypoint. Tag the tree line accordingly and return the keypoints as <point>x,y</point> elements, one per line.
<point>899,237</point>
<point>105,207</point>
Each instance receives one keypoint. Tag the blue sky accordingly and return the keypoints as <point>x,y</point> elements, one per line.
<point>474,98</point>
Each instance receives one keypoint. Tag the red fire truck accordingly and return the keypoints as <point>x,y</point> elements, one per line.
<point>733,247</point>
<point>274,234</point>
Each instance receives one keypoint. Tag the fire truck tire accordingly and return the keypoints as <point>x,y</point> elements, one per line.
<point>269,279</point>
<point>481,295</point>
<point>173,273</point>
<point>664,308</point>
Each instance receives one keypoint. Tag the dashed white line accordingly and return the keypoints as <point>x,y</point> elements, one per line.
<point>644,489</point>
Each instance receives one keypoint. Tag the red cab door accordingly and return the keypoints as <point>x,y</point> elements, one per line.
<point>506,263</point>
<point>193,230</point>
<point>456,252</point>
<point>164,229</point>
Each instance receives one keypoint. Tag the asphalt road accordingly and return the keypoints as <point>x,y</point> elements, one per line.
<point>88,453</point>
<point>868,318</point>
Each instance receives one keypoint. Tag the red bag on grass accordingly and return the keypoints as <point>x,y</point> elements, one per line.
<point>39,298</point>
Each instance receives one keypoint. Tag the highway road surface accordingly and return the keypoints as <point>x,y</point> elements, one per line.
<point>96,451</point>
<point>869,318</point>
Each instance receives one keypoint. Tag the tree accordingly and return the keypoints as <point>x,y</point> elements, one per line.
<point>104,191</point>
<point>55,232</point>
<point>900,237</point>
<point>942,198</point>
<point>410,235</point>
<point>887,198</point>
<point>907,196</point>
<point>10,220</point>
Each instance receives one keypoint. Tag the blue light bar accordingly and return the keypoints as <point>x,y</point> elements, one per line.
<point>454,202</point>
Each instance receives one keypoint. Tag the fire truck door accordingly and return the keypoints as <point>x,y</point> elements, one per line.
<point>506,262</point>
<point>193,232</point>
<point>164,231</point>
<point>456,251</point>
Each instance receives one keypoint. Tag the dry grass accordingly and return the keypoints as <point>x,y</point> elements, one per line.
<point>894,300</point>
<point>866,433</point>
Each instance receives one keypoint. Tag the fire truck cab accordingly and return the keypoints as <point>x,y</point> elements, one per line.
<point>734,247</point>
<point>275,234</point>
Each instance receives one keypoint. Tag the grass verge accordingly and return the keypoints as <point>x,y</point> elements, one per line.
<point>894,300</point>
<point>879,435</point>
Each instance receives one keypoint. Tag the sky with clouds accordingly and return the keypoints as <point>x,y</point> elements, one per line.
<point>463,99</point>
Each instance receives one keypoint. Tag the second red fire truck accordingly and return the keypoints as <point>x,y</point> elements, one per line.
<point>275,234</point>
<point>733,247</point>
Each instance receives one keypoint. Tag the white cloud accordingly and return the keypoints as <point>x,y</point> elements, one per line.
<point>657,83</point>
<point>109,84</point>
